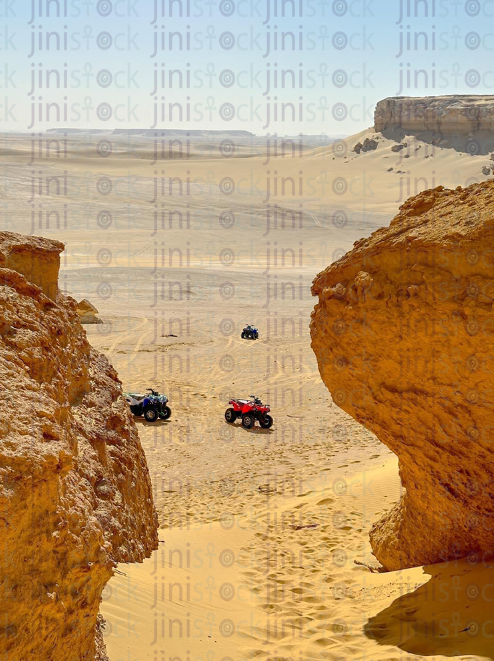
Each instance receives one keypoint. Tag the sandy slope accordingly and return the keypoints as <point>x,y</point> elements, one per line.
<point>262,586</point>
<point>254,588</point>
<point>230,493</point>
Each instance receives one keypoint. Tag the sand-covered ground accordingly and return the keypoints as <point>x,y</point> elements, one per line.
<point>264,547</point>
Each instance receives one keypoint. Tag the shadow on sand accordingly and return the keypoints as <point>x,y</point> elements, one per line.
<point>253,430</point>
<point>450,615</point>
<point>145,423</point>
<point>258,430</point>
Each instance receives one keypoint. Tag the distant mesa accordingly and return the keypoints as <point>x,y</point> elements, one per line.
<point>466,122</point>
<point>402,332</point>
<point>442,114</point>
<point>87,313</point>
<point>153,133</point>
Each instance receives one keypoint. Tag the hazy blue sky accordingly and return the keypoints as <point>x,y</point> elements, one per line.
<point>347,55</point>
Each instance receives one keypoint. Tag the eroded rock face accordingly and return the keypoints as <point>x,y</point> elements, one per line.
<point>75,493</point>
<point>456,114</point>
<point>36,258</point>
<point>403,334</point>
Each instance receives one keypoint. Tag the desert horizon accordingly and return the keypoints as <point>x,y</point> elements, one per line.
<point>246,297</point>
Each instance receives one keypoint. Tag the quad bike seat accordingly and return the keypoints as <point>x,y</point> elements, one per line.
<point>138,398</point>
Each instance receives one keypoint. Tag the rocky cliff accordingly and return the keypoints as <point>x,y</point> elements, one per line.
<point>75,493</point>
<point>448,115</point>
<point>403,334</point>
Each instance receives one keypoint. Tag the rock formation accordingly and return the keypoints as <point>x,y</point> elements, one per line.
<point>369,144</point>
<point>87,312</point>
<point>75,493</point>
<point>455,114</point>
<point>403,337</point>
<point>37,259</point>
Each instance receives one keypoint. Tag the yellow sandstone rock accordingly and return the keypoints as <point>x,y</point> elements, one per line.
<point>403,334</point>
<point>75,493</point>
<point>36,258</point>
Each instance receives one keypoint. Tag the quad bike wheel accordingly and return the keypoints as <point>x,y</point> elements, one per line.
<point>266,422</point>
<point>151,415</point>
<point>243,336</point>
<point>248,421</point>
<point>230,415</point>
<point>166,413</point>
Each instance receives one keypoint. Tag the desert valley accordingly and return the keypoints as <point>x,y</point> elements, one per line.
<point>359,525</point>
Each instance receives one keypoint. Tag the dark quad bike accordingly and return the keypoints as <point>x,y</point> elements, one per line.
<point>249,333</point>
<point>152,406</point>
<point>249,410</point>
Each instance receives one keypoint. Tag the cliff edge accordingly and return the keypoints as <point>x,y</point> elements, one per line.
<point>75,492</point>
<point>402,333</point>
<point>454,114</point>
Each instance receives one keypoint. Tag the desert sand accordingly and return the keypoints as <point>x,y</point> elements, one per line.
<point>264,534</point>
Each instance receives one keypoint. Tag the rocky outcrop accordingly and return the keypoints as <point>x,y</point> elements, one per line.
<point>87,312</point>
<point>403,337</point>
<point>369,144</point>
<point>75,493</point>
<point>36,258</point>
<point>455,114</point>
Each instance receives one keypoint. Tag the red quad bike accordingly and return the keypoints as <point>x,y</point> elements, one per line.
<point>249,410</point>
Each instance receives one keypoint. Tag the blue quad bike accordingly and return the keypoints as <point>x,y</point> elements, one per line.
<point>151,406</point>
<point>249,333</point>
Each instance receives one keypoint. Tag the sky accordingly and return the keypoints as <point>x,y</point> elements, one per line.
<point>280,67</point>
